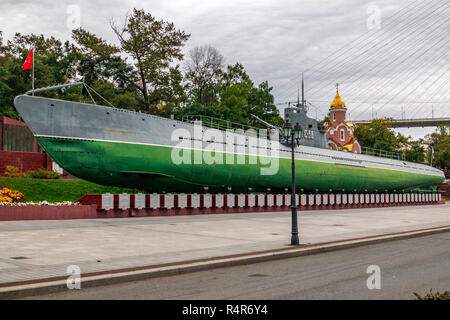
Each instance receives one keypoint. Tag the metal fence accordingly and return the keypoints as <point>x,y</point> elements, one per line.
<point>17,138</point>
<point>220,124</point>
<point>383,153</point>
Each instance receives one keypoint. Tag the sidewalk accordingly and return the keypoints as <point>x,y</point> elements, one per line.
<point>32,250</point>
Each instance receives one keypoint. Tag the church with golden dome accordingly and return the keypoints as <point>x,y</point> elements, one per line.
<point>340,133</point>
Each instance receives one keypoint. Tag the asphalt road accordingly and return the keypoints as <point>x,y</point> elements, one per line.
<point>407,266</point>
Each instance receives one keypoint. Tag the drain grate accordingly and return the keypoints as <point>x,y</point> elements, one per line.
<point>19,258</point>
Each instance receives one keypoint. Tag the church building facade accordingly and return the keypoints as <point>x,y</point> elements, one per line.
<point>340,133</point>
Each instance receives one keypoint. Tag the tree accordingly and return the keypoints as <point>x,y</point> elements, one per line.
<point>262,105</point>
<point>50,67</point>
<point>153,45</point>
<point>101,66</point>
<point>440,142</point>
<point>326,120</point>
<point>203,71</point>
<point>378,135</point>
<point>414,150</point>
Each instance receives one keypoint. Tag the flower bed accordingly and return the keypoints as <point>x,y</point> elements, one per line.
<point>10,196</point>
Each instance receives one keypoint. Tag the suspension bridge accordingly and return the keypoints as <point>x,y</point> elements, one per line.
<point>410,123</point>
<point>398,71</point>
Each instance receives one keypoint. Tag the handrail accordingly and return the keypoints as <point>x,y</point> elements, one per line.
<point>216,123</point>
<point>60,86</point>
<point>382,153</point>
<point>55,87</point>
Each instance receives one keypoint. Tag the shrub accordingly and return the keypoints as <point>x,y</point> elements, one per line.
<point>12,171</point>
<point>434,296</point>
<point>42,174</point>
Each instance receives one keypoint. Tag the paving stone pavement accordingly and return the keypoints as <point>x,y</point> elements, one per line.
<point>45,248</point>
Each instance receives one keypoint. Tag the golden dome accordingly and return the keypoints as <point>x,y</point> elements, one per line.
<point>337,101</point>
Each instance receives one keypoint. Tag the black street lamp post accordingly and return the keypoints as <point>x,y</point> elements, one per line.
<point>292,137</point>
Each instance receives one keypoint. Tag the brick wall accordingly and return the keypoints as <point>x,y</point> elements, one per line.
<point>340,117</point>
<point>25,161</point>
<point>16,136</point>
<point>444,187</point>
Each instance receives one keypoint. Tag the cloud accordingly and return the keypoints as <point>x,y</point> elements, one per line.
<point>277,40</point>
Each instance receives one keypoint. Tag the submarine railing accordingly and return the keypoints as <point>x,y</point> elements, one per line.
<point>221,124</point>
<point>383,153</point>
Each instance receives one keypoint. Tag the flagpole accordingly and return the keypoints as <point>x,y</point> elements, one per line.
<point>32,73</point>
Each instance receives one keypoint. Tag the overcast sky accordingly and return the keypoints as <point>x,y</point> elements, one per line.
<point>275,40</point>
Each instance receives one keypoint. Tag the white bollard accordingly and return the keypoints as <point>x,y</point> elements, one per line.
<point>107,201</point>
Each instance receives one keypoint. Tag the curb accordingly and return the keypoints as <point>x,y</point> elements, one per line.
<point>58,284</point>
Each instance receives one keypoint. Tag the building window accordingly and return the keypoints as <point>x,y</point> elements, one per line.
<point>334,116</point>
<point>342,135</point>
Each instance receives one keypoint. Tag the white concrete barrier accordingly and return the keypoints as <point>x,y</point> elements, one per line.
<point>261,200</point>
<point>325,199</point>
<point>338,199</point>
<point>287,199</point>
<point>230,200</point>
<point>344,199</point>
<point>303,199</point>
<point>279,200</point>
<point>220,200</point>
<point>139,201</point>
<point>107,201</point>
<point>155,201</point>
<point>195,200</point>
<point>169,201</point>
<point>251,200</point>
<point>182,200</point>
<point>310,199</point>
<point>207,200</point>
<point>241,200</point>
<point>318,199</point>
<point>270,200</point>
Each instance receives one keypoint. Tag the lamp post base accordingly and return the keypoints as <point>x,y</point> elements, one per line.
<point>294,240</point>
<point>294,234</point>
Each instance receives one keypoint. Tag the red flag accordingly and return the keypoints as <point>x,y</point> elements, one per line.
<point>28,64</point>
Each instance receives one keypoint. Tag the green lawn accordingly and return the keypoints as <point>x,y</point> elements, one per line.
<point>56,190</point>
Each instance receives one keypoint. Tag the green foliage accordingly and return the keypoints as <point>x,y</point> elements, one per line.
<point>434,296</point>
<point>142,73</point>
<point>204,70</point>
<point>56,190</point>
<point>42,174</point>
<point>414,151</point>
<point>154,45</point>
<point>237,99</point>
<point>321,124</point>
<point>378,135</point>
<point>440,141</point>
